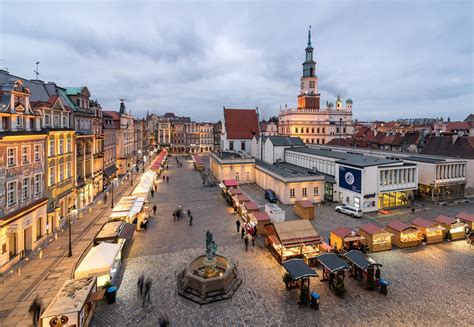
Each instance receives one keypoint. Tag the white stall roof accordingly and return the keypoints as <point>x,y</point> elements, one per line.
<point>128,206</point>
<point>71,297</point>
<point>146,183</point>
<point>99,260</point>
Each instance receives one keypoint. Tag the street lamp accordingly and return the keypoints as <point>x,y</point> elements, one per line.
<point>112,202</point>
<point>70,225</point>
<point>340,129</point>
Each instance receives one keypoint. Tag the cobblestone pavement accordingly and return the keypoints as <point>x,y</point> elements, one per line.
<point>430,285</point>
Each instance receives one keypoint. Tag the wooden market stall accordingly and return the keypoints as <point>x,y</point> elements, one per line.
<point>467,218</point>
<point>377,239</point>
<point>404,235</point>
<point>431,231</point>
<point>344,238</point>
<point>247,208</point>
<point>293,239</point>
<point>132,209</point>
<point>73,305</point>
<point>230,183</point>
<point>304,209</point>
<point>260,219</point>
<point>333,270</point>
<point>102,261</point>
<point>454,227</point>
<point>238,200</point>
<point>115,232</point>
<point>197,162</point>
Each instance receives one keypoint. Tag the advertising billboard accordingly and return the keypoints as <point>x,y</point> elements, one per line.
<point>350,179</point>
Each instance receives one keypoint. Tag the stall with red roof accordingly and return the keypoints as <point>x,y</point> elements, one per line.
<point>467,218</point>
<point>404,235</point>
<point>344,238</point>
<point>454,227</point>
<point>377,238</point>
<point>430,231</point>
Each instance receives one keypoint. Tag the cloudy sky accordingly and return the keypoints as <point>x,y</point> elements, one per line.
<point>396,59</point>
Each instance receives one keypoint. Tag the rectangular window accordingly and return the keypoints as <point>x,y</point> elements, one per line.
<point>231,145</point>
<point>68,170</point>
<point>19,121</point>
<point>38,228</point>
<point>37,152</point>
<point>292,192</point>
<point>51,176</point>
<point>11,193</point>
<point>25,155</point>
<point>61,173</point>
<point>61,146</point>
<point>56,120</point>
<point>25,188</point>
<point>69,145</point>
<point>11,157</point>
<point>64,121</point>
<point>242,145</point>
<point>51,148</point>
<point>304,191</point>
<point>47,120</point>
<point>316,190</point>
<point>37,184</point>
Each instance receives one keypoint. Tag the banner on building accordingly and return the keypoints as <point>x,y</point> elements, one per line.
<point>350,179</point>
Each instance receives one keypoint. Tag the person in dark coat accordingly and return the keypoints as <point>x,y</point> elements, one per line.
<point>242,233</point>
<point>147,291</point>
<point>35,310</point>
<point>255,231</point>
<point>246,241</point>
<point>189,212</point>
<point>140,282</point>
<point>238,225</point>
<point>190,220</point>
<point>152,193</point>
<point>164,178</point>
<point>154,209</point>
<point>167,179</point>
<point>331,280</point>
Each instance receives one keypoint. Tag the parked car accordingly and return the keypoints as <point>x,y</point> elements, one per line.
<point>271,196</point>
<point>350,210</point>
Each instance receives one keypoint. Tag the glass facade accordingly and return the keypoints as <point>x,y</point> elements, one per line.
<point>436,193</point>
<point>395,199</point>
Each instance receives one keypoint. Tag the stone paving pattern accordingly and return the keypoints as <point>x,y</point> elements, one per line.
<point>430,285</point>
<point>45,276</point>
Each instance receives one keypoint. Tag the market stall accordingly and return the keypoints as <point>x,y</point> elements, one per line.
<point>376,238</point>
<point>454,227</point>
<point>294,238</point>
<point>467,218</point>
<point>226,187</point>
<point>363,268</point>
<point>238,200</point>
<point>115,232</point>
<point>131,209</point>
<point>344,238</point>
<point>230,183</point>
<point>157,165</point>
<point>198,163</point>
<point>304,209</point>
<point>73,305</point>
<point>259,219</point>
<point>333,271</point>
<point>404,235</point>
<point>147,181</point>
<point>247,208</point>
<point>102,261</point>
<point>299,273</point>
<point>430,231</point>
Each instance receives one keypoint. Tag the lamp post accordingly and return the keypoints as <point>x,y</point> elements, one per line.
<point>340,130</point>
<point>70,239</point>
<point>112,202</point>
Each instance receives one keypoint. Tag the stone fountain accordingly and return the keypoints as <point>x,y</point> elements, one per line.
<point>208,278</point>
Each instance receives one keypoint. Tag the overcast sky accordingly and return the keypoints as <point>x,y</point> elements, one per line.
<point>396,59</point>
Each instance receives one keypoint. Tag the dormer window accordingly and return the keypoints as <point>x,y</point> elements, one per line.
<point>19,121</point>
<point>47,119</point>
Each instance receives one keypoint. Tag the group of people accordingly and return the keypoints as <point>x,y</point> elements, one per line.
<point>247,234</point>
<point>144,288</point>
<point>180,164</point>
<point>178,214</point>
<point>166,178</point>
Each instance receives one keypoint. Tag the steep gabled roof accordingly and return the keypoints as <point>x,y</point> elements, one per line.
<point>241,123</point>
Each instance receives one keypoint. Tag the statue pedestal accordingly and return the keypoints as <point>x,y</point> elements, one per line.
<point>209,267</point>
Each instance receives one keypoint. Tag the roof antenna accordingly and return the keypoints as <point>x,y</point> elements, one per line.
<point>37,70</point>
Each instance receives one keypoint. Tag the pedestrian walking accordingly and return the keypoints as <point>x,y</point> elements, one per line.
<point>181,164</point>
<point>238,225</point>
<point>167,179</point>
<point>152,193</point>
<point>242,232</point>
<point>246,241</point>
<point>154,210</point>
<point>255,231</point>
<point>156,187</point>
<point>189,212</point>
<point>164,178</point>
<point>190,220</point>
<point>35,310</point>
<point>147,291</point>
<point>253,240</point>
<point>140,282</point>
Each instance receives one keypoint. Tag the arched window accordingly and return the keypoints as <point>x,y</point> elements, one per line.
<point>311,72</point>
<point>237,177</point>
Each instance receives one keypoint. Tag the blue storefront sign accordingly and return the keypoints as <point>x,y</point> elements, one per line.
<point>350,179</point>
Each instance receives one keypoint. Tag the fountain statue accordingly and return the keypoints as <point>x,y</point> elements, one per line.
<point>208,278</point>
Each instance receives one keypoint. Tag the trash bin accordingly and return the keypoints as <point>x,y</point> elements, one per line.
<point>383,286</point>
<point>111,294</point>
<point>315,297</point>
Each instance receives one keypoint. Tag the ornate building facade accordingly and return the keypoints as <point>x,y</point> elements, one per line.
<point>309,121</point>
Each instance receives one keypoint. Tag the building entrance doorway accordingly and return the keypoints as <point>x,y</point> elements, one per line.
<point>28,238</point>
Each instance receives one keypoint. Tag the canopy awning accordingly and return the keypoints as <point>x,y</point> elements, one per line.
<point>298,269</point>
<point>127,231</point>
<point>98,261</point>
<point>109,171</point>
<point>359,259</point>
<point>230,183</point>
<point>332,262</point>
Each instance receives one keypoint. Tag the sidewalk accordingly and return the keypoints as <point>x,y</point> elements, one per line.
<point>45,276</point>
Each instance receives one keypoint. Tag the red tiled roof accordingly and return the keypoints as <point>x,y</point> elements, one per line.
<point>242,198</point>
<point>399,226</point>
<point>230,182</point>
<point>458,125</point>
<point>371,228</point>
<point>445,219</point>
<point>235,191</point>
<point>241,123</point>
<point>466,216</point>
<point>114,114</point>
<point>342,231</point>
<point>422,222</point>
<point>261,216</point>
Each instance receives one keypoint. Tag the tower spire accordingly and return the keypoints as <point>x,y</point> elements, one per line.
<point>309,37</point>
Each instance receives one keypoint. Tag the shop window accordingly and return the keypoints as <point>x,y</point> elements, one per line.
<point>292,192</point>
<point>316,190</point>
<point>304,191</point>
